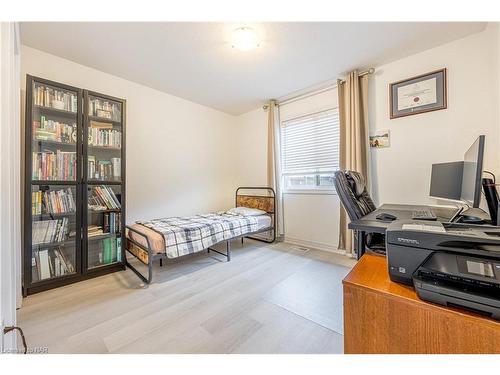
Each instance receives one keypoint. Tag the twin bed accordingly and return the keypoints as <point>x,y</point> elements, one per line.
<point>173,237</point>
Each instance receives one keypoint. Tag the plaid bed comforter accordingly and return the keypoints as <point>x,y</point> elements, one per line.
<point>187,235</point>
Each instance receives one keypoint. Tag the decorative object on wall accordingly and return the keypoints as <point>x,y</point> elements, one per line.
<point>381,139</point>
<point>420,94</point>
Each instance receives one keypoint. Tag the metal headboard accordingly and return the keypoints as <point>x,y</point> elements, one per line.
<point>264,202</point>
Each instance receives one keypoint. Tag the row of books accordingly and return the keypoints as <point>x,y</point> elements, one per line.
<point>55,98</point>
<point>105,137</point>
<point>112,222</point>
<point>105,252</point>
<point>49,231</point>
<point>50,130</point>
<point>104,169</point>
<point>50,263</point>
<point>105,109</point>
<point>53,202</point>
<point>103,198</point>
<point>94,230</point>
<point>60,166</point>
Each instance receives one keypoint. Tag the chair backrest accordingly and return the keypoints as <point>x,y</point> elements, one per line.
<point>351,188</point>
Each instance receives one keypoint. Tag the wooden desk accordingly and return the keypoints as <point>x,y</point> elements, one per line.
<point>381,316</point>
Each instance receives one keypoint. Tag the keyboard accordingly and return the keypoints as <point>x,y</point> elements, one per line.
<point>423,215</point>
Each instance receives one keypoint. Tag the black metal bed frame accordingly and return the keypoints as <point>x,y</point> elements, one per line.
<point>161,256</point>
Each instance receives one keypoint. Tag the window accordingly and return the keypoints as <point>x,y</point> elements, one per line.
<point>310,151</point>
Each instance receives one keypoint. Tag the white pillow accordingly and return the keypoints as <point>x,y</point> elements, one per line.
<point>246,211</point>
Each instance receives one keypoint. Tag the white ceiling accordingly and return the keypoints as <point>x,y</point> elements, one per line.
<point>195,60</point>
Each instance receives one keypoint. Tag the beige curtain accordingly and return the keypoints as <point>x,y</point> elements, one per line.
<point>353,115</point>
<point>274,163</point>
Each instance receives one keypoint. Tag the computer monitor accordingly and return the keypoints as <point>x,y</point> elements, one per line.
<point>472,173</point>
<point>446,180</point>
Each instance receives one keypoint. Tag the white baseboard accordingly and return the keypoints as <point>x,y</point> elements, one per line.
<point>314,245</point>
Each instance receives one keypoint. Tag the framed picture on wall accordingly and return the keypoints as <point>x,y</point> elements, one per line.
<point>420,94</point>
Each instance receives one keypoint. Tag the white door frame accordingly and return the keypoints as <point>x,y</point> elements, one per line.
<point>10,181</point>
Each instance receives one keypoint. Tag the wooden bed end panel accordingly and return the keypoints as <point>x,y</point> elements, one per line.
<point>139,253</point>
<point>254,201</point>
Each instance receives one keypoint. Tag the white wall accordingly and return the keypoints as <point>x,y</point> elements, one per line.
<point>309,219</point>
<point>177,150</point>
<point>401,173</point>
<point>252,148</point>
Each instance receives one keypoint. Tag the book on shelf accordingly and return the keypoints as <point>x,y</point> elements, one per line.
<point>106,251</point>
<point>112,222</point>
<point>53,202</point>
<point>48,263</point>
<point>105,109</point>
<point>103,198</point>
<point>49,231</point>
<point>118,249</point>
<point>116,164</point>
<point>50,97</point>
<point>94,230</point>
<point>101,125</point>
<point>109,250</point>
<point>43,257</point>
<point>103,137</point>
<point>104,169</point>
<point>49,130</point>
<point>58,166</point>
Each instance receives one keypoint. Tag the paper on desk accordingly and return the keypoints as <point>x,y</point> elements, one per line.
<point>424,227</point>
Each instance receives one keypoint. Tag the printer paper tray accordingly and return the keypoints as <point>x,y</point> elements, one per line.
<point>446,296</point>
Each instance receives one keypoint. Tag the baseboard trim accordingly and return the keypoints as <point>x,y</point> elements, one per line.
<point>314,245</point>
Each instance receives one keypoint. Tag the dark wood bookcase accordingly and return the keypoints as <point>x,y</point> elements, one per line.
<point>74,200</point>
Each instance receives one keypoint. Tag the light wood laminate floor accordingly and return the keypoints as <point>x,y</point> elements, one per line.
<point>268,299</point>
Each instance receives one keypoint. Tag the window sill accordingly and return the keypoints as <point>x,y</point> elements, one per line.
<point>309,192</point>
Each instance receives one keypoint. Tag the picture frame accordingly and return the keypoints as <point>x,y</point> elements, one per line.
<point>380,138</point>
<point>420,94</point>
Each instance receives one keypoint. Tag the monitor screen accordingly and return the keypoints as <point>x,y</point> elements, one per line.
<point>446,180</point>
<point>473,169</point>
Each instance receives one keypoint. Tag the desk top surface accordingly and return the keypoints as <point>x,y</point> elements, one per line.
<point>371,273</point>
<point>369,222</point>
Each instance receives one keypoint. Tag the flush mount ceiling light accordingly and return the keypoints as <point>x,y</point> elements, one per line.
<point>245,39</point>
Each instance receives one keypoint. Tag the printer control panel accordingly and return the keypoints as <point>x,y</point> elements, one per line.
<point>480,272</point>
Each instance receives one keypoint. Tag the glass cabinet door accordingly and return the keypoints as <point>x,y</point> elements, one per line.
<point>104,141</point>
<point>104,226</point>
<point>52,174</point>
<point>54,133</point>
<point>53,231</point>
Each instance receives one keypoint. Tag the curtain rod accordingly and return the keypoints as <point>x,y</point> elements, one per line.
<point>317,91</point>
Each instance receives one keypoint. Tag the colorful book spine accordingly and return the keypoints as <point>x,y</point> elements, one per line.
<point>48,165</point>
<point>44,96</point>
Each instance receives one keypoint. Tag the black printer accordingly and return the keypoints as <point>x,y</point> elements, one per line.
<point>448,263</point>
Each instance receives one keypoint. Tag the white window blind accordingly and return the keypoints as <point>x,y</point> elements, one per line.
<point>310,147</point>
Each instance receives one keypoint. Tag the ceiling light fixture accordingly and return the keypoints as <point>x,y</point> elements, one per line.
<point>245,39</point>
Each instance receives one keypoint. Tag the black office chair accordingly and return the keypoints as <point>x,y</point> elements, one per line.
<point>351,188</point>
